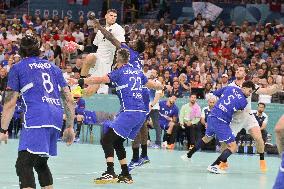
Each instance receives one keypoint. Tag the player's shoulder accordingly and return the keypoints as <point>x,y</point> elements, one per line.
<point>117,26</point>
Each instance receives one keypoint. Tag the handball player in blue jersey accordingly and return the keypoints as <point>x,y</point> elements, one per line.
<point>231,100</point>
<point>40,85</point>
<point>129,83</point>
<point>279,131</point>
<point>136,62</point>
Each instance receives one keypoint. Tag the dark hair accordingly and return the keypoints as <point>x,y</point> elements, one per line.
<point>193,93</point>
<point>140,46</point>
<point>261,103</point>
<point>246,69</point>
<point>112,10</point>
<point>249,84</point>
<point>29,46</point>
<point>124,53</point>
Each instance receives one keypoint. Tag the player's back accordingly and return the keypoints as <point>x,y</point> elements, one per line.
<point>231,99</point>
<point>129,84</point>
<point>39,82</point>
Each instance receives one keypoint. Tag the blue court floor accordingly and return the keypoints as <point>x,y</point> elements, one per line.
<point>76,166</point>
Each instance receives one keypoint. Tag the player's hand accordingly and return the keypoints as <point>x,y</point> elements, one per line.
<point>96,23</point>
<point>169,88</point>
<point>68,136</point>
<point>4,137</point>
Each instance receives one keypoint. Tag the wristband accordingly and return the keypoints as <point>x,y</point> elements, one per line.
<point>81,82</point>
<point>3,131</point>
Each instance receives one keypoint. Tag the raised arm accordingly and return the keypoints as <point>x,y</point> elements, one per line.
<point>108,35</point>
<point>270,90</point>
<point>154,85</point>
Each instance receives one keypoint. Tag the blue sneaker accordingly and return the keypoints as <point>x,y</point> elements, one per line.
<point>132,165</point>
<point>143,160</point>
<point>155,146</point>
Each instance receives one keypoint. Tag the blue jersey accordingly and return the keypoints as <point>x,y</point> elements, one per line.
<point>166,111</point>
<point>39,83</point>
<point>136,62</point>
<point>129,84</point>
<point>231,99</point>
<point>80,107</point>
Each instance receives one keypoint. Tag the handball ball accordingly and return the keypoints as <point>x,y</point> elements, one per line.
<point>70,47</point>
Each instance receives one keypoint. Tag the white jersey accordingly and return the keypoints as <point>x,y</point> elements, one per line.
<point>105,47</point>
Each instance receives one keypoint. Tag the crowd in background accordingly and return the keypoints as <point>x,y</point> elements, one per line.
<point>199,57</point>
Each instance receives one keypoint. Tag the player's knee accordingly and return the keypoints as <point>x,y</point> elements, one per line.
<point>24,170</point>
<point>233,147</point>
<point>44,174</point>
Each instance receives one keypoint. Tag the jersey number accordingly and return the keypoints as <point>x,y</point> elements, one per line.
<point>136,83</point>
<point>48,86</point>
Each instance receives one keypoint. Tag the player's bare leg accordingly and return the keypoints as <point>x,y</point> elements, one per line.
<point>255,132</point>
<point>89,62</point>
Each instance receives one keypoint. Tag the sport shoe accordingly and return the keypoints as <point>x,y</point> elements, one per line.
<point>262,164</point>
<point>125,179</point>
<point>155,146</point>
<point>143,160</point>
<point>132,165</point>
<point>164,145</point>
<point>185,158</point>
<point>171,146</point>
<point>107,178</point>
<point>224,166</point>
<point>215,169</point>
<point>190,147</point>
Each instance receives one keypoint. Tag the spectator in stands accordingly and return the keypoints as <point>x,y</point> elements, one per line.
<point>189,117</point>
<point>262,119</point>
<point>3,79</point>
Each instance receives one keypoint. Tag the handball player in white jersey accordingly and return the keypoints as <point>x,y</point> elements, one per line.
<point>99,63</point>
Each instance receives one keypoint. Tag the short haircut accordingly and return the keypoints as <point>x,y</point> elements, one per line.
<point>246,69</point>
<point>249,84</point>
<point>124,53</point>
<point>261,103</point>
<point>112,10</point>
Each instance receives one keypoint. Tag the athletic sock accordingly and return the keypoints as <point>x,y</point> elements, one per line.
<point>261,156</point>
<point>144,150</point>
<point>135,156</point>
<point>223,157</point>
<point>110,167</point>
<point>124,169</point>
<point>199,144</point>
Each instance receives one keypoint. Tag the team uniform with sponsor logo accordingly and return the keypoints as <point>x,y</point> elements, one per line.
<point>129,86</point>
<point>39,83</point>
<point>231,99</point>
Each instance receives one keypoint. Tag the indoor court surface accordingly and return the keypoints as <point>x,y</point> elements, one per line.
<point>76,166</point>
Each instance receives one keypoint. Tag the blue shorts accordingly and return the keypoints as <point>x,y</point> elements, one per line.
<point>219,128</point>
<point>126,124</point>
<point>279,182</point>
<point>41,141</point>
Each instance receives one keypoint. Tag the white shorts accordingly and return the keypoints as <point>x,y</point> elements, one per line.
<point>102,66</point>
<point>243,120</point>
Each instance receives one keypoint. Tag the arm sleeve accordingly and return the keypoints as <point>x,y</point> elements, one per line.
<point>119,33</point>
<point>13,79</point>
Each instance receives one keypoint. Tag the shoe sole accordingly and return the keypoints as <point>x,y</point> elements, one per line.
<point>123,182</point>
<point>113,181</point>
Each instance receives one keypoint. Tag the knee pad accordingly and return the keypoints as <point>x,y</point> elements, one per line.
<point>119,148</point>
<point>24,170</point>
<point>43,171</point>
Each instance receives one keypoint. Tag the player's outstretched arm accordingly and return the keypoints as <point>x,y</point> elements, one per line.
<point>108,35</point>
<point>10,101</point>
<point>69,108</point>
<point>154,85</point>
<point>95,80</point>
<point>270,90</point>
